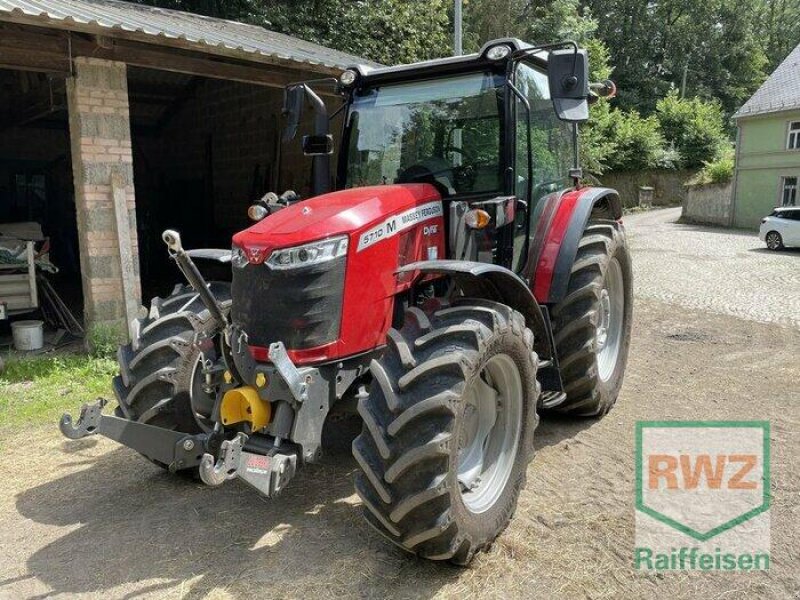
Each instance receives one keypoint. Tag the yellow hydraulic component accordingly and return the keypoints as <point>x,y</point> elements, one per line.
<point>243,404</point>
<point>261,380</point>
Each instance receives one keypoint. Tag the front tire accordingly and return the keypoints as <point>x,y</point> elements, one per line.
<point>159,381</point>
<point>592,324</point>
<point>774,241</point>
<point>448,429</point>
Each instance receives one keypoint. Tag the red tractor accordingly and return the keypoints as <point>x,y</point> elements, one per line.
<point>457,282</point>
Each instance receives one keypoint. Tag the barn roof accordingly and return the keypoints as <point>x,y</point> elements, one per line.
<point>170,27</point>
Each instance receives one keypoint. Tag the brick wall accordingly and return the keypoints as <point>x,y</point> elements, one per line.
<point>97,97</point>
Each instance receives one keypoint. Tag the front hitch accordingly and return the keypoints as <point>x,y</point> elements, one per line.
<point>268,474</point>
<point>174,449</point>
<point>215,472</point>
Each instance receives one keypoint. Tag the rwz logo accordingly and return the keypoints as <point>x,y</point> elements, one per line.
<point>664,468</point>
<point>702,495</point>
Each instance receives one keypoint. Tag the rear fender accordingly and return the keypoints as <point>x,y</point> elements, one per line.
<point>492,282</point>
<point>561,224</point>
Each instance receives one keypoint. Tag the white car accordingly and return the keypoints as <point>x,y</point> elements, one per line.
<point>781,228</point>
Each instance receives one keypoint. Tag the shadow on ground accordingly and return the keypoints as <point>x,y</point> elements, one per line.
<point>783,252</point>
<point>130,522</point>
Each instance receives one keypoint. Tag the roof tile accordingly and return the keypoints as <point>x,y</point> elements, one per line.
<point>778,93</point>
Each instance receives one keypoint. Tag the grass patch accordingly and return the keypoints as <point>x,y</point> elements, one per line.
<point>37,390</point>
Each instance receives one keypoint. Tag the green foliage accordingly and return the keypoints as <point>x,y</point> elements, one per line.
<point>638,141</point>
<point>776,23</point>
<point>616,140</point>
<point>104,339</point>
<point>694,127</point>
<point>718,171</point>
<point>39,389</point>
<point>715,45</point>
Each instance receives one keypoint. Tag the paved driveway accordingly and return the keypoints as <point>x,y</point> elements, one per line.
<point>724,271</point>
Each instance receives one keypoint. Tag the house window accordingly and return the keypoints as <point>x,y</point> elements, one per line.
<point>789,191</point>
<point>793,142</point>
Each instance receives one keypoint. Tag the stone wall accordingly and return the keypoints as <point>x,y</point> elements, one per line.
<point>102,162</point>
<point>668,186</point>
<point>708,204</point>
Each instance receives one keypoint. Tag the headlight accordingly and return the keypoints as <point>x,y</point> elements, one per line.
<point>498,52</point>
<point>308,254</point>
<point>238,257</point>
<point>348,78</point>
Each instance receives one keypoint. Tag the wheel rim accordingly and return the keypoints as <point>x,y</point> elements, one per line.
<point>490,436</point>
<point>773,241</point>
<point>609,329</point>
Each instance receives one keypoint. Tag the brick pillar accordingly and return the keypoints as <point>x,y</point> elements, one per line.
<point>102,166</point>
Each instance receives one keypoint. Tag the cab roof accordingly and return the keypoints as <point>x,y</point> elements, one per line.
<point>448,65</point>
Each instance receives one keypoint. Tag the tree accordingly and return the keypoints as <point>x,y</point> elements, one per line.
<point>622,141</point>
<point>694,127</point>
<point>777,29</point>
<point>709,48</point>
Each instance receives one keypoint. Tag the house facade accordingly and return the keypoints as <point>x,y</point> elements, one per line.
<point>768,147</point>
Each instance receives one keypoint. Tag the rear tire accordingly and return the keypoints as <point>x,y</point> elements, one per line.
<point>158,380</point>
<point>592,324</point>
<point>423,423</point>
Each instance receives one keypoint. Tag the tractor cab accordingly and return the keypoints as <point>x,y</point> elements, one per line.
<point>494,131</point>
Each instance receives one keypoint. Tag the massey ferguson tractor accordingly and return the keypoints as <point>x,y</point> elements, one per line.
<point>451,281</point>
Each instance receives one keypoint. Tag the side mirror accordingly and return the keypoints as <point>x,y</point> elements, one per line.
<point>568,76</point>
<point>317,145</point>
<point>293,98</point>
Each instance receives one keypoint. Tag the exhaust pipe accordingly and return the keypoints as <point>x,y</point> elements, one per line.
<point>192,274</point>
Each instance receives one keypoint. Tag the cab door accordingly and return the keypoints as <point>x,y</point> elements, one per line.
<point>551,146</point>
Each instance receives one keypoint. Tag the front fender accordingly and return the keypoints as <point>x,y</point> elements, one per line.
<point>493,282</point>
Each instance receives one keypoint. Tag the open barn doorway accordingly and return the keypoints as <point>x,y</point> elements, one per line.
<point>203,150</point>
<point>37,199</point>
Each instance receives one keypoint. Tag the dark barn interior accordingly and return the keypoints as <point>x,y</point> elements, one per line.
<point>36,182</point>
<point>203,150</point>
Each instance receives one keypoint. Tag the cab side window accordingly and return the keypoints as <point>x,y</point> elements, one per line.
<point>550,144</point>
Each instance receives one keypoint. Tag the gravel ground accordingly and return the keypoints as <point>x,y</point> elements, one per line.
<point>726,271</point>
<point>91,519</point>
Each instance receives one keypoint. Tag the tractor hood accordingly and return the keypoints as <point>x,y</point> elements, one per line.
<point>336,213</point>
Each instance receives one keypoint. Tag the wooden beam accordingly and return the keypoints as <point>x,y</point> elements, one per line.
<point>165,42</point>
<point>179,61</point>
<point>42,51</point>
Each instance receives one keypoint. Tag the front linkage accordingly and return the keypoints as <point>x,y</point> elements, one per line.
<point>267,474</point>
<point>267,469</point>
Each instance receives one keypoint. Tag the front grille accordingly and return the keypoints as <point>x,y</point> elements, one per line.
<point>300,307</point>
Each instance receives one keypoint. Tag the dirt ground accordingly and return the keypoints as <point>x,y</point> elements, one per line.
<point>91,519</point>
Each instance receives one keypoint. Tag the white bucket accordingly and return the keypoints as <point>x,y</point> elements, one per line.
<point>28,335</point>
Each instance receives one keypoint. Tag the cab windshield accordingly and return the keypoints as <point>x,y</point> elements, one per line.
<point>443,131</point>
